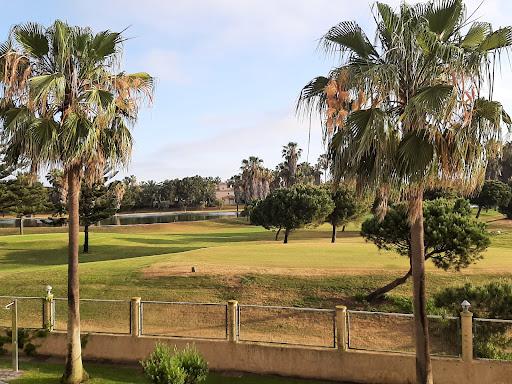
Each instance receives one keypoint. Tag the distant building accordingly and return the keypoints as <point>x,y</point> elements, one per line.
<point>226,193</point>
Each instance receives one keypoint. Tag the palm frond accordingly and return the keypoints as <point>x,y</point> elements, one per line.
<point>476,35</point>
<point>498,39</point>
<point>348,36</point>
<point>32,38</point>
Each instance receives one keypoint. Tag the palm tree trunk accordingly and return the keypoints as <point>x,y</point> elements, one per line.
<point>74,372</point>
<point>86,239</point>
<point>286,233</point>
<point>423,363</point>
<point>333,239</point>
<point>385,289</point>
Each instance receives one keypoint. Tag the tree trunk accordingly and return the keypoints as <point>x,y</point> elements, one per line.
<point>385,289</point>
<point>343,229</point>
<point>237,210</point>
<point>423,363</point>
<point>334,230</point>
<point>86,239</point>
<point>74,372</point>
<point>478,213</point>
<point>286,233</point>
<point>21,225</point>
<point>277,234</point>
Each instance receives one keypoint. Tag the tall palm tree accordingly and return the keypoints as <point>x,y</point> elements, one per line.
<point>65,103</point>
<point>323,164</point>
<point>291,154</point>
<point>250,174</point>
<point>409,113</point>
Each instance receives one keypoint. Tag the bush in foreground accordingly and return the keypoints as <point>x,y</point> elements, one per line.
<point>166,366</point>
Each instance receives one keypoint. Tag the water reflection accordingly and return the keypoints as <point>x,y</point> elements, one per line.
<point>135,219</point>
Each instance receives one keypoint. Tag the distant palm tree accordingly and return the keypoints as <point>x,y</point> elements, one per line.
<point>250,175</point>
<point>409,113</point>
<point>323,164</point>
<point>65,103</point>
<point>291,155</point>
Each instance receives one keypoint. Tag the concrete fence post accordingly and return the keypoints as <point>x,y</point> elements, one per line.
<point>341,327</point>
<point>232,320</point>
<point>48,310</point>
<point>467,336</point>
<point>135,316</point>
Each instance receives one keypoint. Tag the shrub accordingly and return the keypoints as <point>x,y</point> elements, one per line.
<point>493,300</point>
<point>180,367</point>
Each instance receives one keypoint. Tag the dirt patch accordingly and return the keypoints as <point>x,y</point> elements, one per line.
<point>182,269</point>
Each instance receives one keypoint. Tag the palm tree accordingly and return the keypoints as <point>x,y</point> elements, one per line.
<point>66,104</point>
<point>250,174</point>
<point>409,113</point>
<point>291,155</point>
<point>323,164</point>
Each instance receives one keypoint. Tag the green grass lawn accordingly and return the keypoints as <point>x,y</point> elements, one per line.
<point>50,373</point>
<point>233,261</point>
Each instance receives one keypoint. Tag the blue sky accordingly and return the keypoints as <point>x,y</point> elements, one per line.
<point>228,72</point>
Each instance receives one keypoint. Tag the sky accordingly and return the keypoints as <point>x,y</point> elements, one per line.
<point>228,73</point>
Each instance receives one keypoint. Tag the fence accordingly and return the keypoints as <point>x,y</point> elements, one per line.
<point>181,319</point>
<point>376,331</point>
<point>492,339</point>
<point>287,325</point>
<point>393,332</point>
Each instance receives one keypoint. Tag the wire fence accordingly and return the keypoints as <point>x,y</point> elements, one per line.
<point>287,325</point>
<point>376,331</point>
<point>394,332</point>
<point>30,312</point>
<point>182,319</point>
<point>492,339</point>
<point>96,316</point>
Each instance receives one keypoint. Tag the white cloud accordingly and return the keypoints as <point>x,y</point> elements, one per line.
<point>221,155</point>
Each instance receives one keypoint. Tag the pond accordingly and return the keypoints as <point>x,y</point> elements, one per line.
<point>133,219</point>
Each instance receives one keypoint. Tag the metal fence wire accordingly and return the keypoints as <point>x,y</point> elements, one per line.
<point>287,325</point>
<point>96,316</point>
<point>394,332</point>
<point>492,339</point>
<point>30,312</point>
<point>183,319</point>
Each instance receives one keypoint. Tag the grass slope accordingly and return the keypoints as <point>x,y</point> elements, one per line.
<point>233,260</point>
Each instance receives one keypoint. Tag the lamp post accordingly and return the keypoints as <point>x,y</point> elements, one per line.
<point>465,306</point>
<point>467,331</point>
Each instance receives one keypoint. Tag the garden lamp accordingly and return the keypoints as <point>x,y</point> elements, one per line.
<point>465,306</point>
<point>48,290</point>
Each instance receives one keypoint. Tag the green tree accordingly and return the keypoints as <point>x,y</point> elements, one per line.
<point>131,193</point>
<point>507,209</point>
<point>347,207</point>
<point>97,203</point>
<point>22,197</point>
<point>149,194</point>
<point>408,113</point>
<point>453,238</point>
<point>66,102</point>
<point>293,208</point>
<point>494,193</point>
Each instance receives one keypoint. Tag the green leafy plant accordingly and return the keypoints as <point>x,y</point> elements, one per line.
<point>26,340</point>
<point>169,366</point>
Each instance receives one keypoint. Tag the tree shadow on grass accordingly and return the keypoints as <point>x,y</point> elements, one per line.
<point>58,255</point>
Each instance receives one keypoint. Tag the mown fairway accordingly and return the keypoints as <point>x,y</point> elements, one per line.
<point>233,261</point>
